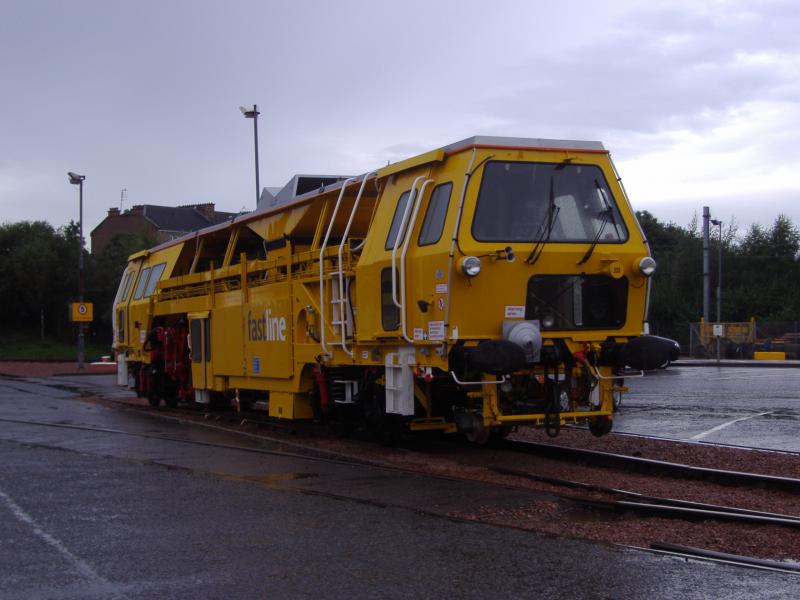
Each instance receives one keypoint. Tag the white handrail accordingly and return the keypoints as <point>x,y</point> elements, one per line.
<point>453,243</point>
<point>401,232</point>
<point>342,295</point>
<point>411,222</point>
<point>322,266</point>
<point>629,375</point>
<point>500,381</point>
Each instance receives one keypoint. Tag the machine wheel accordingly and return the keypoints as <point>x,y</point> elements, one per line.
<point>498,434</point>
<point>391,430</point>
<point>153,399</point>
<point>342,428</point>
<point>479,436</point>
<point>138,383</point>
<point>155,391</point>
<point>341,420</point>
<point>387,429</point>
<point>599,426</point>
<point>314,402</point>
<point>478,433</point>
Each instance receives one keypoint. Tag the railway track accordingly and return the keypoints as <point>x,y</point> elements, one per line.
<point>690,552</point>
<point>660,506</point>
<point>629,502</point>
<point>636,501</point>
<point>652,466</point>
<point>699,443</point>
<point>627,505</point>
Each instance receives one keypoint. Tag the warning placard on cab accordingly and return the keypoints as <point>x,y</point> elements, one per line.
<point>81,311</point>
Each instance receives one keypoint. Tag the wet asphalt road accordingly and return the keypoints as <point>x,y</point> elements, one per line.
<point>747,406</point>
<point>88,514</point>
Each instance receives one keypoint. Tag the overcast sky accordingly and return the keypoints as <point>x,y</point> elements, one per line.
<point>699,102</point>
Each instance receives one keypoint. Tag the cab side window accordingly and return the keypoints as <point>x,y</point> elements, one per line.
<point>394,230</point>
<point>137,293</point>
<point>433,225</point>
<point>124,287</point>
<point>155,275</point>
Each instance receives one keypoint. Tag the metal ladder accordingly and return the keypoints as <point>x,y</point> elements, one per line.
<point>399,382</point>
<point>404,235</point>
<point>340,302</point>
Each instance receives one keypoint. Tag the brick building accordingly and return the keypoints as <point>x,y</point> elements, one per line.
<point>162,223</point>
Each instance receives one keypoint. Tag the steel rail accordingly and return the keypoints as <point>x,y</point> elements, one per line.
<point>649,465</point>
<point>658,505</point>
<point>723,557</point>
<point>706,443</point>
<point>658,510</point>
<point>696,513</point>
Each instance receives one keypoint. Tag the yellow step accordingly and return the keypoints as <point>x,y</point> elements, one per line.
<point>764,355</point>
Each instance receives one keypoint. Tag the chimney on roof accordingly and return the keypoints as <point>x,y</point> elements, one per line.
<point>113,212</point>
<point>206,210</point>
<point>137,209</point>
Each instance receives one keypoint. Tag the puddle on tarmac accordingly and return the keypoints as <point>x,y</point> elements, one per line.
<point>269,480</point>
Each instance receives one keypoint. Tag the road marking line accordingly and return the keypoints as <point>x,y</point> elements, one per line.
<point>82,566</point>
<point>724,425</point>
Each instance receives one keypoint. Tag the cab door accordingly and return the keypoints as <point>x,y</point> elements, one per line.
<point>120,322</point>
<point>381,273</point>
<point>200,346</point>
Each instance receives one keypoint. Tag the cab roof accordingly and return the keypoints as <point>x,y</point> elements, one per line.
<point>477,141</point>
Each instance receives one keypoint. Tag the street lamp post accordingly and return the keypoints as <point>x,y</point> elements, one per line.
<point>718,223</point>
<point>76,179</point>
<point>251,112</point>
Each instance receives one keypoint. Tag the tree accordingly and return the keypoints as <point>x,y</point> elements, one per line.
<point>676,298</point>
<point>39,277</point>
<point>38,269</point>
<point>762,280</point>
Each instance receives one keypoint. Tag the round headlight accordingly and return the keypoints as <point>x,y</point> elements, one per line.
<point>647,266</point>
<point>548,321</point>
<point>470,266</point>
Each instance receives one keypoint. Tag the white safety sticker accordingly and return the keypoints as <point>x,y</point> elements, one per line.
<point>441,288</point>
<point>515,312</point>
<point>419,334</point>
<point>365,355</point>
<point>142,336</point>
<point>436,331</point>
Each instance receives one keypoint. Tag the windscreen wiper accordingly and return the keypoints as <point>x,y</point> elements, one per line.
<point>545,227</point>
<point>607,215</point>
<point>602,193</point>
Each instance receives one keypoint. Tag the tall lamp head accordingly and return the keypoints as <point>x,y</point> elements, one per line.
<point>251,111</point>
<point>75,179</point>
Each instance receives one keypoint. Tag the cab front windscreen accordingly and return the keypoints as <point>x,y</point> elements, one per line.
<point>546,202</point>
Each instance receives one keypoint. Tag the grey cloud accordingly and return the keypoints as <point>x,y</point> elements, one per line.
<point>633,79</point>
<point>144,95</point>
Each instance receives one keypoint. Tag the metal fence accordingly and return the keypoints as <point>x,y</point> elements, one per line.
<point>742,339</point>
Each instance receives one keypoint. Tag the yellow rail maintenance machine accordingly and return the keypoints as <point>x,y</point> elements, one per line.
<point>492,283</point>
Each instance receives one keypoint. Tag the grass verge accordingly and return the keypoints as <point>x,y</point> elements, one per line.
<point>22,346</point>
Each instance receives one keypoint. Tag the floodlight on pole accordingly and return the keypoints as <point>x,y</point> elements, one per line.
<point>76,179</point>
<point>718,223</point>
<point>251,112</point>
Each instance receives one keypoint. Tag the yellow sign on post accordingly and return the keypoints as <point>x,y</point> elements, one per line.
<point>82,312</point>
